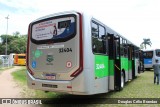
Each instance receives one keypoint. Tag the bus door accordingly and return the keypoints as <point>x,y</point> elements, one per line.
<point>131,65</point>
<point>114,57</point>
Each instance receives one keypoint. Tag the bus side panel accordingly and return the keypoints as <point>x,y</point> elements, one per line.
<point>21,62</point>
<point>130,70</point>
<point>16,59</point>
<point>124,66</point>
<point>148,63</point>
<point>84,83</point>
<point>101,85</point>
<point>111,75</point>
<point>136,66</point>
<point>101,73</point>
<point>126,69</point>
<point>126,75</point>
<point>101,66</point>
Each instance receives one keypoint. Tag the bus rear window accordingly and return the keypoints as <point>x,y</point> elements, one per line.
<point>148,54</point>
<point>55,29</point>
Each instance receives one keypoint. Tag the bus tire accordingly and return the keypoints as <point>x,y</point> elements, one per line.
<point>119,88</point>
<point>139,70</point>
<point>122,80</point>
<point>147,69</point>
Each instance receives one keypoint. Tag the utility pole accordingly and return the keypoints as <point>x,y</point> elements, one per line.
<point>6,32</point>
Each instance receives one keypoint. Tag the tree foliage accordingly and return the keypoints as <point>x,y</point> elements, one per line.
<point>145,43</point>
<point>16,43</point>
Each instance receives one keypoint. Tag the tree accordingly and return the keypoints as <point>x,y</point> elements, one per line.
<point>16,43</point>
<point>145,43</point>
<point>3,39</point>
<point>16,33</point>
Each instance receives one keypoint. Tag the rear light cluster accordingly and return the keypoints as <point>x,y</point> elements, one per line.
<point>69,86</point>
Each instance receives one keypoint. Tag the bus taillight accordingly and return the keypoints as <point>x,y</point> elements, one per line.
<point>69,86</point>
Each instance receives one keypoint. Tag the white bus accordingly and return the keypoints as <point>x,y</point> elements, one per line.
<point>74,53</point>
<point>149,57</point>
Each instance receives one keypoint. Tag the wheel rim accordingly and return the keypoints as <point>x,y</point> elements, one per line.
<point>122,81</point>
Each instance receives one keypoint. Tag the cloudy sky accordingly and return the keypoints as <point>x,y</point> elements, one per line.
<point>134,19</point>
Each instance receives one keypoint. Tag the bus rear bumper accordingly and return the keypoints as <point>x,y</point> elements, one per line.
<point>54,86</point>
<point>47,85</point>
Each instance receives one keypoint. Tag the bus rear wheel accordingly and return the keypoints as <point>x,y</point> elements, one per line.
<point>122,80</point>
<point>147,69</point>
<point>118,88</point>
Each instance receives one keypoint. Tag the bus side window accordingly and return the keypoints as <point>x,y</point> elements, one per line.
<point>125,48</point>
<point>136,54</point>
<point>117,42</point>
<point>133,53</point>
<point>94,30</point>
<point>102,36</point>
<point>98,38</point>
<point>101,32</point>
<point>121,47</point>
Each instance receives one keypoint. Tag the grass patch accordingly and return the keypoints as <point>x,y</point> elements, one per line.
<point>20,75</point>
<point>21,78</point>
<point>141,87</point>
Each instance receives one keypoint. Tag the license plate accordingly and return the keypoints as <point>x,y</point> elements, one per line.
<point>49,85</point>
<point>50,77</point>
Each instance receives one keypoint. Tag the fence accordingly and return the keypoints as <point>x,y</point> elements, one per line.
<point>4,61</point>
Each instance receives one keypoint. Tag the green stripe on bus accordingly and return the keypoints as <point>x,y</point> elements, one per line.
<point>111,68</point>
<point>130,65</point>
<point>124,63</point>
<point>101,66</point>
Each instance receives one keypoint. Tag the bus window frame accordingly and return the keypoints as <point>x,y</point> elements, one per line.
<point>117,44</point>
<point>157,53</point>
<point>125,48</point>
<point>147,55</point>
<point>21,57</point>
<point>121,46</point>
<point>104,39</point>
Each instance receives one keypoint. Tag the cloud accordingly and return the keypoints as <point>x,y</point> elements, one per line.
<point>7,8</point>
<point>16,7</point>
